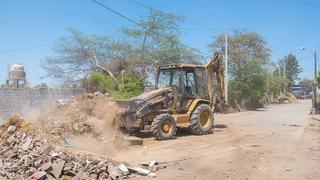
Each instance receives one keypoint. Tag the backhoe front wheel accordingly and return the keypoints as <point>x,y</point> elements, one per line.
<point>164,127</point>
<point>201,120</point>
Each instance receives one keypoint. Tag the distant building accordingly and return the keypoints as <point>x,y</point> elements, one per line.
<point>16,77</point>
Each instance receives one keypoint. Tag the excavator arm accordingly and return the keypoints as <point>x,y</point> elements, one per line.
<point>215,71</point>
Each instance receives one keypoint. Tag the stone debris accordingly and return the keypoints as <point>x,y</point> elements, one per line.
<point>11,128</point>
<point>124,169</point>
<point>28,153</point>
<point>140,170</point>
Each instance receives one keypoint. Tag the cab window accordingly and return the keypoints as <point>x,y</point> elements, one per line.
<point>189,83</point>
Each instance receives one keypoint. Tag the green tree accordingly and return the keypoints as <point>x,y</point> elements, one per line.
<point>128,85</point>
<point>77,55</point>
<point>100,82</point>
<point>156,41</point>
<point>277,84</point>
<point>306,83</point>
<point>292,67</point>
<point>248,54</point>
<point>249,87</point>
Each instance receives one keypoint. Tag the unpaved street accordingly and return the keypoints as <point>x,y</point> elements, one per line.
<point>277,142</point>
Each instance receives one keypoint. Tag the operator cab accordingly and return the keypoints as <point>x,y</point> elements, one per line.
<point>188,82</point>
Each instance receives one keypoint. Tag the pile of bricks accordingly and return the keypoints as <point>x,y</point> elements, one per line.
<point>30,155</point>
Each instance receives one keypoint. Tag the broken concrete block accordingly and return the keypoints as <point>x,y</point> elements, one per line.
<point>11,129</point>
<point>47,150</point>
<point>54,154</point>
<point>57,168</point>
<point>113,172</point>
<point>81,175</point>
<point>26,145</point>
<point>5,150</point>
<point>46,167</point>
<point>38,175</point>
<point>152,165</point>
<point>152,174</point>
<point>153,168</point>
<point>18,178</point>
<point>50,177</point>
<point>123,169</point>
<point>152,162</point>
<point>40,159</point>
<point>93,176</point>
<point>139,170</point>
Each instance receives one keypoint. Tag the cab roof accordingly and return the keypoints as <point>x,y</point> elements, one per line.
<point>175,66</point>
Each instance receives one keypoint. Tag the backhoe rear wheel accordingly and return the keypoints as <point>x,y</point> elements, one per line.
<point>202,120</point>
<point>164,127</point>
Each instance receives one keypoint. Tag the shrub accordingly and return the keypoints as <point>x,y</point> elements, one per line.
<point>128,85</point>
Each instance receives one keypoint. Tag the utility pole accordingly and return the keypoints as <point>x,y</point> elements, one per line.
<point>315,80</point>
<point>315,65</point>
<point>226,69</point>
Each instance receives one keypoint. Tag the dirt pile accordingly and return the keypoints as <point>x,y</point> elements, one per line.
<point>88,122</point>
<point>90,113</point>
<point>27,151</point>
<point>286,97</point>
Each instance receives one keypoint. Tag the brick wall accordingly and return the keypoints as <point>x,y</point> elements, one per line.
<point>12,100</point>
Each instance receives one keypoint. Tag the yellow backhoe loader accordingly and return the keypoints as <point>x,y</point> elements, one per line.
<point>185,95</point>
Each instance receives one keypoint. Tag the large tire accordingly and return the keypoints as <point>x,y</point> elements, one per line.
<point>164,127</point>
<point>202,120</point>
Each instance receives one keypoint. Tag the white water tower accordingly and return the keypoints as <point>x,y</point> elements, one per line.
<point>16,77</point>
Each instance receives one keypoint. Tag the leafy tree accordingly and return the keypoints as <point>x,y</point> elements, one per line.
<point>318,77</point>
<point>128,85</point>
<point>247,55</point>
<point>155,41</point>
<point>249,87</point>
<point>306,83</point>
<point>276,84</point>
<point>292,67</point>
<point>100,82</point>
<point>78,55</point>
<point>242,46</point>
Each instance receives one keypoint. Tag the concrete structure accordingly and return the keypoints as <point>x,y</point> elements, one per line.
<point>16,77</point>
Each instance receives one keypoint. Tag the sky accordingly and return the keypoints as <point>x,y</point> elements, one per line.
<point>30,29</point>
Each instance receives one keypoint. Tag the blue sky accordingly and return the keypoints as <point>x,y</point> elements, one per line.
<point>29,29</point>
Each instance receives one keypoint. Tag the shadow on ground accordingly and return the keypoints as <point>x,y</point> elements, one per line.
<point>181,132</point>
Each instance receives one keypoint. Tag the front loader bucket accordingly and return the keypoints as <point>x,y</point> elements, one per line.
<point>129,116</point>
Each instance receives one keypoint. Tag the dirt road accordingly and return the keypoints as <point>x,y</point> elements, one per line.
<point>277,142</point>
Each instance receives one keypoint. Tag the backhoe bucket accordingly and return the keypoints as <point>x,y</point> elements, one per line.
<point>129,116</point>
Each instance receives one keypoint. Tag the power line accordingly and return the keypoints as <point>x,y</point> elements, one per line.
<point>211,13</point>
<point>138,24</point>
<point>188,21</point>
<point>48,43</point>
<point>25,48</point>
<point>290,2</point>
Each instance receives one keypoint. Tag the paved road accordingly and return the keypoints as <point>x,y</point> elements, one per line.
<point>277,142</point>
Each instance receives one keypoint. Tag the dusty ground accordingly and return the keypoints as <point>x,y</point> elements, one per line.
<point>277,142</point>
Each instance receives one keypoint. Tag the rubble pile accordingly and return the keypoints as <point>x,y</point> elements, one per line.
<point>286,97</point>
<point>27,152</point>
<point>93,113</point>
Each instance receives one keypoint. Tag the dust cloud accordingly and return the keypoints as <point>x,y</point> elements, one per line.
<point>87,122</point>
